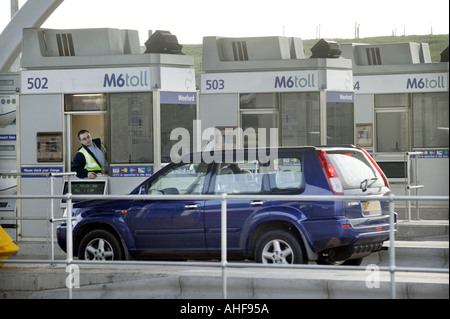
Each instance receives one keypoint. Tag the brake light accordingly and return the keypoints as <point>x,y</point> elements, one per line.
<point>386,183</point>
<point>331,173</point>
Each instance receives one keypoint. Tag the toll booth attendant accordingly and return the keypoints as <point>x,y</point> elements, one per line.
<point>90,159</point>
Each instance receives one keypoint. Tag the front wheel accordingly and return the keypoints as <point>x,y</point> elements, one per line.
<point>279,247</point>
<point>99,245</point>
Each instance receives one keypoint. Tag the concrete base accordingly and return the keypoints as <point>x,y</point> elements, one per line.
<point>424,244</point>
<point>173,282</point>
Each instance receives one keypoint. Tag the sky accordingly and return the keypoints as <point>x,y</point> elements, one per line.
<point>191,20</point>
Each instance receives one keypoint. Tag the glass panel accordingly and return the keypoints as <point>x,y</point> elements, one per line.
<point>300,119</point>
<point>175,116</point>
<point>340,123</point>
<point>393,169</point>
<point>131,128</point>
<point>182,179</point>
<point>85,102</point>
<point>430,119</point>
<point>256,121</point>
<point>391,100</point>
<point>355,170</point>
<point>392,131</point>
<point>284,175</point>
<point>258,101</point>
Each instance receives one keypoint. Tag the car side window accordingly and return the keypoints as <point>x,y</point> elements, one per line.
<point>287,175</point>
<point>238,178</point>
<point>282,175</point>
<point>186,178</point>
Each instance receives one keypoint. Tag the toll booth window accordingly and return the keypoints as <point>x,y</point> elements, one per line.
<point>259,101</point>
<point>430,119</point>
<point>131,126</point>
<point>258,110</point>
<point>340,123</point>
<point>392,122</point>
<point>253,138</point>
<point>85,102</point>
<point>300,119</point>
<point>175,116</point>
<point>393,169</point>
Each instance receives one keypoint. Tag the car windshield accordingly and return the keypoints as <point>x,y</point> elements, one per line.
<point>355,170</point>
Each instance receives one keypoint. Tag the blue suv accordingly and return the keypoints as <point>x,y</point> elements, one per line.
<point>265,229</point>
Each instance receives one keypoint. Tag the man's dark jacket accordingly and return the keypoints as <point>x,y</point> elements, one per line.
<point>79,161</point>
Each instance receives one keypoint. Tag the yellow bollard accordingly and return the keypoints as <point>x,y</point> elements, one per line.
<point>7,247</point>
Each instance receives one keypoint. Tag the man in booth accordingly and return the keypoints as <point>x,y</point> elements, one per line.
<point>90,158</point>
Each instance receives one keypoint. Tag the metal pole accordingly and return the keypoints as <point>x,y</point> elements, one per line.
<point>408,174</point>
<point>52,216</point>
<point>69,243</point>
<point>416,183</point>
<point>224,244</point>
<point>392,247</point>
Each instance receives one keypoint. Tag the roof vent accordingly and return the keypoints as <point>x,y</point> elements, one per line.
<point>444,55</point>
<point>163,42</point>
<point>326,49</point>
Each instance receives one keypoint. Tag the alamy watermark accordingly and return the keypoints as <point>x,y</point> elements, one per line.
<point>210,144</point>
<point>373,276</point>
<point>73,278</point>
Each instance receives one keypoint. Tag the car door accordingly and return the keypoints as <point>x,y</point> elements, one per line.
<point>166,227</point>
<point>233,178</point>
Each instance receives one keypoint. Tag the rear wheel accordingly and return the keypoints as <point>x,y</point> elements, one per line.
<point>279,247</point>
<point>99,244</point>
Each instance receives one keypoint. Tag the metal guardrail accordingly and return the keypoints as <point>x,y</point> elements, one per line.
<point>392,268</point>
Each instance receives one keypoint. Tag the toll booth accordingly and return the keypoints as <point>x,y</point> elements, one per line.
<point>102,81</point>
<point>9,101</point>
<point>266,82</point>
<point>401,108</point>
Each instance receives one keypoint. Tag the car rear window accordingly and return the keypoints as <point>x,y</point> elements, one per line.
<point>354,169</point>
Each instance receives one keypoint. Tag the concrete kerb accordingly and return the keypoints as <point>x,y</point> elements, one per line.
<point>205,282</point>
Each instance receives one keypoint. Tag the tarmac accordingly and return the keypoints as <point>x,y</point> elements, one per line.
<point>419,244</point>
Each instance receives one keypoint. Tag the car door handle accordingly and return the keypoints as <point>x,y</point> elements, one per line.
<point>190,206</point>
<point>257,203</point>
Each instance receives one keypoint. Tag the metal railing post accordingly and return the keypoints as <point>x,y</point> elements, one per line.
<point>414,182</point>
<point>392,245</point>
<point>69,242</point>
<point>223,230</point>
<point>52,216</point>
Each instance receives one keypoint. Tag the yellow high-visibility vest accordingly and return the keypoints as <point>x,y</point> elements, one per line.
<point>91,163</point>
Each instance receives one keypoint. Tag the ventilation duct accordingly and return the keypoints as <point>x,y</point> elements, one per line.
<point>163,42</point>
<point>444,55</point>
<point>325,49</point>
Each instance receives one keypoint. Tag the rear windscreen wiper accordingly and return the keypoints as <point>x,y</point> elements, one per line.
<point>365,183</point>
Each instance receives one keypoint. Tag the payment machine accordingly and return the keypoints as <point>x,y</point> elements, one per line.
<point>9,101</point>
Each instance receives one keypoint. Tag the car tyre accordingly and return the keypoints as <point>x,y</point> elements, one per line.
<point>99,244</point>
<point>279,247</point>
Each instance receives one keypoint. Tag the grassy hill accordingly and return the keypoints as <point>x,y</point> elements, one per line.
<point>437,44</point>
